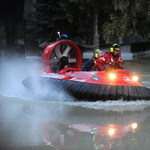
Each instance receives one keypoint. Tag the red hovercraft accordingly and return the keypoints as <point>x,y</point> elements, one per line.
<point>61,69</point>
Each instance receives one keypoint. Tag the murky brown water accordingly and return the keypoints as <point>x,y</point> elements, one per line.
<point>27,123</point>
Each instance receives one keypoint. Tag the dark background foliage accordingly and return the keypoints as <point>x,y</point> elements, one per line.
<point>37,21</point>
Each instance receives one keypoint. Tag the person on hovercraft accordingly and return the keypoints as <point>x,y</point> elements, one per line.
<point>90,65</point>
<point>62,37</point>
<point>110,59</point>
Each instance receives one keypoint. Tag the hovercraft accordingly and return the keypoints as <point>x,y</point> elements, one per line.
<point>61,69</point>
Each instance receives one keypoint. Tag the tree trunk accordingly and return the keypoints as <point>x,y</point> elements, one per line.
<point>31,44</point>
<point>10,30</point>
<point>96,35</point>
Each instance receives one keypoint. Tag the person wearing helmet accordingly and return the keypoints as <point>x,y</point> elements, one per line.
<point>62,37</point>
<point>90,65</point>
<point>110,59</point>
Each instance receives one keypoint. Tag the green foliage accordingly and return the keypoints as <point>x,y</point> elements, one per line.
<point>128,18</point>
<point>46,20</point>
<point>11,16</point>
<point>116,18</point>
<point>80,15</point>
<point>67,17</point>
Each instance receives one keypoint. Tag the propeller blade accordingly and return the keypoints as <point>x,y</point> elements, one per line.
<point>66,52</point>
<point>54,61</point>
<point>72,60</point>
<point>57,52</point>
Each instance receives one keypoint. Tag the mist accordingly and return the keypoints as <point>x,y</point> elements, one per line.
<point>13,71</point>
<point>21,113</point>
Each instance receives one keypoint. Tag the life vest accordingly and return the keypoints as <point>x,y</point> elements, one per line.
<point>117,59</point>
<point>94,60</point>
<point>107,59</point>
<point>94,67</point>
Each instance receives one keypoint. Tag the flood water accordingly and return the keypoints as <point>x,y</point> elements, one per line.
<point>29,123</point>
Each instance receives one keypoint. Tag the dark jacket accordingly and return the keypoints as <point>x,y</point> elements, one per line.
<point>90,65</point>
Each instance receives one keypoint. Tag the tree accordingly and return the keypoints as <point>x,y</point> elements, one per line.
<point>30,39</point>
<point>81,18</point>
<point>73,17</point>
<point>95,25</point>
<point>46,20</point>
<point>127,18</point>
<point>67,17</point>
<point>11,14</point>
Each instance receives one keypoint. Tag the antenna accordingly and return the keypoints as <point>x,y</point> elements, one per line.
<point>59,34</point>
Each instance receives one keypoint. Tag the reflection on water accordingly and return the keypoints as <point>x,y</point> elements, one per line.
<point>69,136</point>
<point>58,126</point>
<point>26,123</point>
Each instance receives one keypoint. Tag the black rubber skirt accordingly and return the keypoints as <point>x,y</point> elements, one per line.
<point>87,91</point>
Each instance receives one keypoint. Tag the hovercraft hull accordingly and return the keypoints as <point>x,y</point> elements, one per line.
<point>87,91</point>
